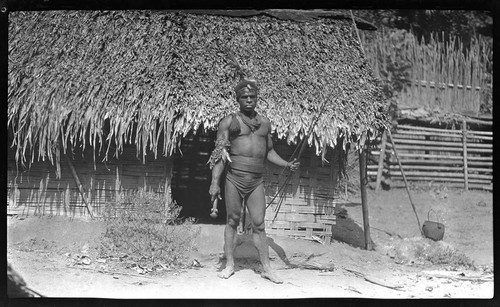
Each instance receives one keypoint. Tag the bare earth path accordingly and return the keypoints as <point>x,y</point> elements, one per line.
<point>44,250</point>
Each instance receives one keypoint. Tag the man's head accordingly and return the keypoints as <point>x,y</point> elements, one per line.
<point>246,94</point>
<point>248,84</point>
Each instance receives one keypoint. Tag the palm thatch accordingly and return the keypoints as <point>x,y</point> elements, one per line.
<point>107,78</point>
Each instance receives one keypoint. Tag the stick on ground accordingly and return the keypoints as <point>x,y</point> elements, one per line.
<point>374,280</point>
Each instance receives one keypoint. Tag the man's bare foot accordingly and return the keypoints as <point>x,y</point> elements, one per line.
<point>272,277</point>
<point>226,273</point>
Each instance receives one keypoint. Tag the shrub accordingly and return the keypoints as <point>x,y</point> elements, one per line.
<point>141,226</point>
<point>448,256</point>
<point>421,251</point>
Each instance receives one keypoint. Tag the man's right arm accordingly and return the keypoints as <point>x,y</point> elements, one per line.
<point>219,160</point>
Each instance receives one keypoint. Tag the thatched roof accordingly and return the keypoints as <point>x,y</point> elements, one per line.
<point>106,78</point>
<point>289,14</point>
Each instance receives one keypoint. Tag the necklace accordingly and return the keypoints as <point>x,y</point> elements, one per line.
<point>252,123</point>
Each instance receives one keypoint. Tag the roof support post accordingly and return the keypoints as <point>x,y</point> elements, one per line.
<point>168,172</point>
<point>79,185</point>
<point>464,143</point>
<point>381,159</point>
<point>363,180</point>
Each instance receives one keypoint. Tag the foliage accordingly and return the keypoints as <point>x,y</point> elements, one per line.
<point>425,251</point>
<point>433,73</point>
<point>140,226</point>
<point>464,24</point>
<point>104,79</point>
<point>389,63</point>
<point>445,255</point>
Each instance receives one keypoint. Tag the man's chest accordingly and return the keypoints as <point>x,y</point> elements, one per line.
<point>256,129</point>
<point>245,131</point>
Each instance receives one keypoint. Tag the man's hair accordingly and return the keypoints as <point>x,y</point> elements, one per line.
<point>249,84</point>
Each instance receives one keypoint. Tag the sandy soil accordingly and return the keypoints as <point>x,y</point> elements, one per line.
<point>47,252</point>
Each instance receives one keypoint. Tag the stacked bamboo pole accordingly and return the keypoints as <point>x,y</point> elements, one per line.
<point>458,157</point>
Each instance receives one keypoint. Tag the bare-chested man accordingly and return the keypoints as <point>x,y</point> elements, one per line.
<point>243,144</point>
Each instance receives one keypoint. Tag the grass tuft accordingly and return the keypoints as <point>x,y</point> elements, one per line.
<point>424,251</point>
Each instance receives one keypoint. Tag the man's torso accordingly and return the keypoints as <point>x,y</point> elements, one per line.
<point>251,144</point>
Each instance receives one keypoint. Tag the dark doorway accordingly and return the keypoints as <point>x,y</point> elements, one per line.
<point>192,177</point>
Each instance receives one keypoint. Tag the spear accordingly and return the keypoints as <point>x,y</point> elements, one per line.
<point>302,145</point>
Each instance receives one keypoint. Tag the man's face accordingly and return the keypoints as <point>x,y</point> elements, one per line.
<point>247,100</point>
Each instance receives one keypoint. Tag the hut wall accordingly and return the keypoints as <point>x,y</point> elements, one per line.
<point>35,190</point>
<point>308,205</point>
<point>309,194</point>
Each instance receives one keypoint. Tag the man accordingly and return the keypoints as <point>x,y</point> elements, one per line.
<point>244,140</point>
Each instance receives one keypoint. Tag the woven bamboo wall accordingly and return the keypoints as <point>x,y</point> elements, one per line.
<point>37,191</point>
<point>308,207</point>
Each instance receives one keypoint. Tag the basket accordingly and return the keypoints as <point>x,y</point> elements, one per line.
<point>433,230</point>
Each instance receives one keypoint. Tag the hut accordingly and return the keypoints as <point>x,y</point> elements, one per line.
<point>101,102</point>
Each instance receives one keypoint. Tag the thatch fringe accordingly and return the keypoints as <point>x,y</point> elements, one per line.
<point>94,78</point>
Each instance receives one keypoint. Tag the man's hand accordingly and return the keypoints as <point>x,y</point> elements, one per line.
<point>293,165</point>
<point>214,192</point>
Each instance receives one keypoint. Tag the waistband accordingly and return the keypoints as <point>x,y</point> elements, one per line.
<point>248,164</point>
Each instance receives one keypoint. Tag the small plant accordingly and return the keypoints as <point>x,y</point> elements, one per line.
<point>448,256</point>
<point>421,251</point>
<point>141,226</point>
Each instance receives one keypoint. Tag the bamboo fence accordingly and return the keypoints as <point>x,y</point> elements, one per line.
<point>436,74</point>
<point>459,158</point>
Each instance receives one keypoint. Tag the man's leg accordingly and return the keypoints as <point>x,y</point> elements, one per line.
<point>256,204</point>
<point>233,204</point>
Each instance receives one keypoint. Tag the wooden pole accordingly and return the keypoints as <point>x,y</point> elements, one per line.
<point>168,171</point>
<point>79,185</point>
<point>426,168</point>
<point>458,143</point>
<point>381,161</point>
<point>408,127</point>
<point>482,179</point>
<point>464,141</point>
<point>363,180</point>
<point>406,182</point>
<point>117,184</point>
<point>456,149</point>
<point>458,135</point>
<point>459,158</point>
<point>334,168</point>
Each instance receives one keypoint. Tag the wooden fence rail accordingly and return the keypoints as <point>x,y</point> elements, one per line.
<point>457,157</point>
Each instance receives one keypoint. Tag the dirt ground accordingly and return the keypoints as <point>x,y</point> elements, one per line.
<point>54,255</point>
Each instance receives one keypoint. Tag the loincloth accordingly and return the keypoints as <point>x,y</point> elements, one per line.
<point>246,174</point>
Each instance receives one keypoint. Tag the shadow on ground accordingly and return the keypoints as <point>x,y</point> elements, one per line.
<point>347,230</point>
<point>246,255</point>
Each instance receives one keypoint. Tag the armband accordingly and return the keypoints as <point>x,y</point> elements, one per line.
<point>221,152</point>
